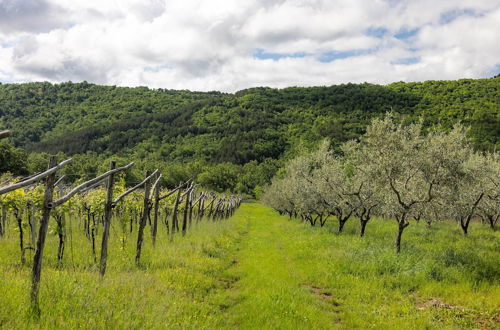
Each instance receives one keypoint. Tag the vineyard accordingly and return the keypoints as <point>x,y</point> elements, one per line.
<point>109,253</point>
<point>92,209</point>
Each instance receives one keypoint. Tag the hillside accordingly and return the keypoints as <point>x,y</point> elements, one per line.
<point>258,125</point>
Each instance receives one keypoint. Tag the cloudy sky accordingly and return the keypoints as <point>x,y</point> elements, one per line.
<point>229,45</point>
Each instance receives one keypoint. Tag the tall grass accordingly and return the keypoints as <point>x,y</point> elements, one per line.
<point>179,283</point>
<point>261,270</point>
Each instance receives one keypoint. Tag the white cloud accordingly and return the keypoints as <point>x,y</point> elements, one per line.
<point>211,45</point>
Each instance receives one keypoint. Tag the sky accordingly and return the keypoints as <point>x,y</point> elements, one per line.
<point>228,45</point>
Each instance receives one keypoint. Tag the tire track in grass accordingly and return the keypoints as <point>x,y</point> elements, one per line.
<point>270,290</point>
<point>225,296</point>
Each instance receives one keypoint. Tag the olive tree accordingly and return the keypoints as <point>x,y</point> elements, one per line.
<point>279,197</point>
<point>296,191</point>
<point>364,198</point>
<point>409,167</point>
<point>489,208</point>
<point>300,173</point>
<point>473,191</point>
<point>336,188</point>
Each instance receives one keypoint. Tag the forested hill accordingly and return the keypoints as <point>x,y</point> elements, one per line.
<point>255,124</point>
<point>251,124</point>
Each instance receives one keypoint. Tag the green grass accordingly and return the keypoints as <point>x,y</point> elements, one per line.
<point>261,270</point>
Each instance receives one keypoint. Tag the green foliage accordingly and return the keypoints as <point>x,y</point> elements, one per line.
<point>181,128</point>
<point>253,124</point>
<point>14,160</point>
<point>221,177</point>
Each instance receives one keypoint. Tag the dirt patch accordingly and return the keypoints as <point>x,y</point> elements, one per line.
<point>482,320</point>
<point>228,282</point>
<point>489,323</point>
<point>322,293</point>
<point>436,303</point>
<point>326,298</point>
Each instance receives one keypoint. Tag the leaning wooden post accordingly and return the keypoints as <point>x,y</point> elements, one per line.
<point>211,208</point>
<point>190,217</point>
<point>216,210</point>
<point>200,208</point>
<point>210,204</point>
<point>40,243</point>
<point>144,218</point>
<point>175,224</point>
<point>156,208</point>
<point>3,220</point>
<point>186,212</point>
<point>61,223</point>
<point>108,210</point>
<point>201,200</point>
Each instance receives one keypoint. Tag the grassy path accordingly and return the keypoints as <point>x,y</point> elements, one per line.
<point>272,290</point>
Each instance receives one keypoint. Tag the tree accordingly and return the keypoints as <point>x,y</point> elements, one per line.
<point>337,189</point>
<point>13,160</point>
<point>221,177</point>
<point>410,167</point>
<point>307,197</point>
<point>474,191</point>
<point>489,208</point>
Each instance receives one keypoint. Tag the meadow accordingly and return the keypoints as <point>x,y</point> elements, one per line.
<point>258,269</point>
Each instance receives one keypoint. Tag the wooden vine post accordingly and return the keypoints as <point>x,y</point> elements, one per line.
<point>108,210</point>
<point>61,227</point>
<point>175,222</point>
<point>156,208</point>
<point>40,243</point>
<point>49,204</point>
<point>190,217</point>
<point>144,217</point>
<point>201,207</point>
<point>211,206</point>
<point>187,194</point>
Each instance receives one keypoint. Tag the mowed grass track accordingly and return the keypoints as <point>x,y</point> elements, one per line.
<point>261,270</point>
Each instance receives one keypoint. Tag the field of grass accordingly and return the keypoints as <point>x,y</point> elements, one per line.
<point>261,270</point>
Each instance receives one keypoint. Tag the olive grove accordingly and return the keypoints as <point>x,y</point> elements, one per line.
<point>396,171</point>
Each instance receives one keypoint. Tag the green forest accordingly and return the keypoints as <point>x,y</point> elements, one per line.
<point>229,142</point>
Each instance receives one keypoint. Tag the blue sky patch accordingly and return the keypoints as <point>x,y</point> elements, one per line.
<point>406,61</point>
<point>494,71</point>
<point>158,68</point>
<point>7,44</point>
<point>263,55</point>
<point>338,55</point>
<point>377,32</point>
<point>406,33</point>
<point>451,15</point>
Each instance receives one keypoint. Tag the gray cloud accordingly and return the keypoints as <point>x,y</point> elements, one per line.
<point>30,16</point>
<point>26,60</point>
<point>149,10</point>
<point>73,69</point>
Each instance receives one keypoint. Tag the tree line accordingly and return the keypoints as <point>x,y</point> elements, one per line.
<point>256,125</point>
<point>395,170</point>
